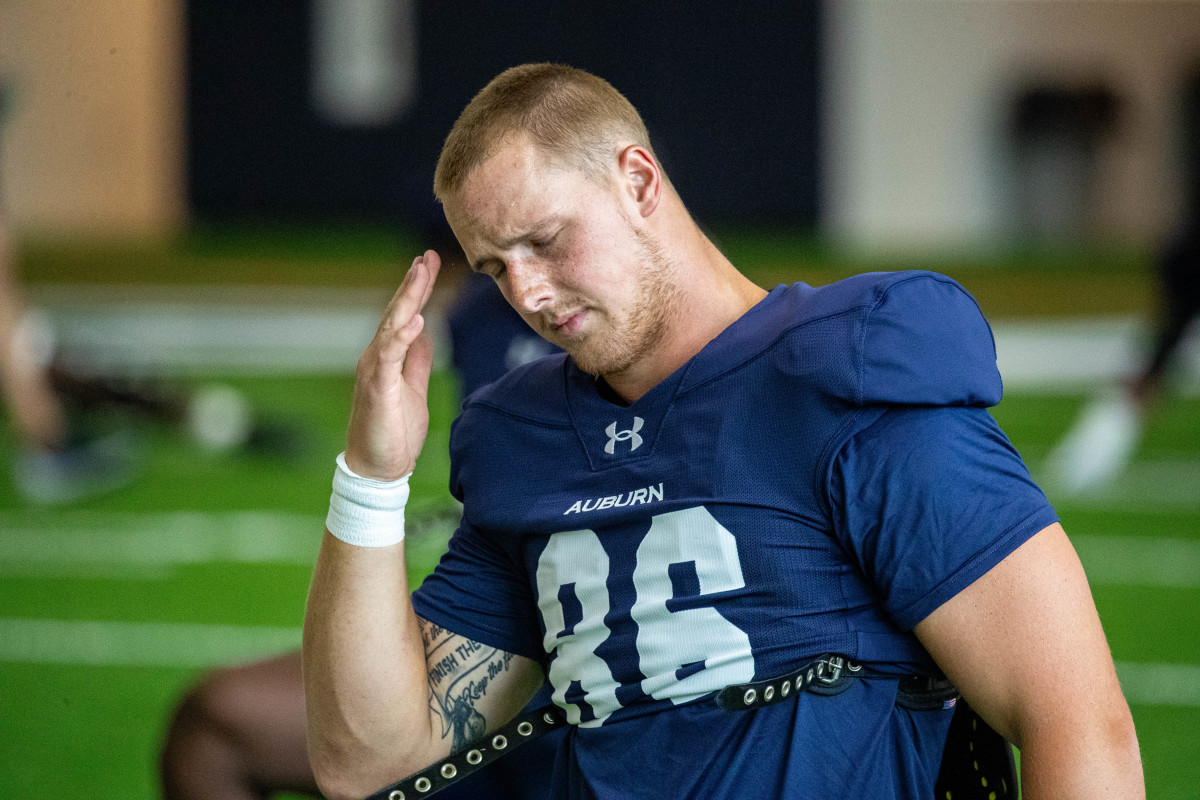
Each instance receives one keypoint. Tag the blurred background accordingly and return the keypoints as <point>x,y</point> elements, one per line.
<point>207,203</point>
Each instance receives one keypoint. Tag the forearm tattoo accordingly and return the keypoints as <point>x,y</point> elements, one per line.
<point>460,671</point>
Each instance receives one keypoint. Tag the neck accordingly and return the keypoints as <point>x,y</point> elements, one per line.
<point>711,295</point>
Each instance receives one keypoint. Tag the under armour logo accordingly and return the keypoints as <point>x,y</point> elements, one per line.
<point>630,436</point>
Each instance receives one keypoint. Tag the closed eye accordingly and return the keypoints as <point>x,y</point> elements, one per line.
<point>543,242</point>
<point>492,267</point>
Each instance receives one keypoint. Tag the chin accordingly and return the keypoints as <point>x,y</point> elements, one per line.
<point>600,363</point>
<point>591,366</point>
<point>589,362</point>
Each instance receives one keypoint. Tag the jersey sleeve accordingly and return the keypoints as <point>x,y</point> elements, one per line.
<point>476,591</point>
<point>480,589</point>
<point>927,500</point>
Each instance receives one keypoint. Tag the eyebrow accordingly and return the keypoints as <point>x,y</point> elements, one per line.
<point>536,228</point>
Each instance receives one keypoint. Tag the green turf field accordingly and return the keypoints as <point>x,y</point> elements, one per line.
<point>110,608</point>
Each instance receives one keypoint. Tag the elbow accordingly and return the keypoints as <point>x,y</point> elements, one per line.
<point>345,775</point>
<point>1116,749</point>
<point>332,788</point>
<point>1123,741</point>
<point>336,781</point>
<point>1114,735</point>
<point>341,782</point>
<point>1087,755</point>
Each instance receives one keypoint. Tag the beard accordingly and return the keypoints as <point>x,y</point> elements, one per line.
<point>633,335</point>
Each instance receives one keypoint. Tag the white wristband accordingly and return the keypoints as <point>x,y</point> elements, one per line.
<point>366,512</point>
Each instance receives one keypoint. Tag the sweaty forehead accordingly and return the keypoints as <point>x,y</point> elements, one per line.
<point>513,190</point>
<point>510,170</point>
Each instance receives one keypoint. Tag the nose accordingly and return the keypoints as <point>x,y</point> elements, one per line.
<point>529,288</point>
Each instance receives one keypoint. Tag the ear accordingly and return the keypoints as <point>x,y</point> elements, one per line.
<point>642,178</point>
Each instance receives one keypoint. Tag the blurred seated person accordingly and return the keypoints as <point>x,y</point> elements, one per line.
<point>76,429</point>
<point>61,456</point>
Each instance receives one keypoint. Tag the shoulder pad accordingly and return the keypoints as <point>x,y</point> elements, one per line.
<point>909,338</point>
<point>925,342</point>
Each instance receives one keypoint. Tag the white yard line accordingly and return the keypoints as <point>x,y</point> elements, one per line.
<point>148,546</point>
<point>289,330</point>
<point>1143,486</point>
<point>1160,684</point>
<point>160,644</point>
<point>1139,560</point>
<point>1078,354</point>
<point>145,545</point>
<point>240,330</point>
<point>156,644</point>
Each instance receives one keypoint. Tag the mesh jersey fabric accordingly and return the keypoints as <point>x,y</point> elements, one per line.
<point>820,477</point>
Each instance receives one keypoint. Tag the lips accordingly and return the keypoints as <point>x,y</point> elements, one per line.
<point>568,324</point>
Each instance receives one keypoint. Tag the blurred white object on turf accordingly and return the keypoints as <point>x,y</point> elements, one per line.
<point>1098,446</point>
<point>219,417</point>
<point>83,470</point>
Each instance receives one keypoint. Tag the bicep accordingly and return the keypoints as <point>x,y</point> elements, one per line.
<point>1024,643</point>
<point>473,688</point>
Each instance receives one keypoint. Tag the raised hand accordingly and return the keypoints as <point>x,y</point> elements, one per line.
<point>390,415</point>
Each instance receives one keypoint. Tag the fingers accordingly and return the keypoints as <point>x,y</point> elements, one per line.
<point>433,263</point>
<point>402,321</point>
<point>389,418</point>
<point>418,360</point>
<point>423,274</point>
<point>419,364</point>
<point>410,296</point>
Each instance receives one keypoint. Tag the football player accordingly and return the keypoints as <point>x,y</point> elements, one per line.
<point>762,544</point>
<point>1106,435</point>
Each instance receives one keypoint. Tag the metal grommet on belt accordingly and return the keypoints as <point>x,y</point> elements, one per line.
<point>826,675</point>
<point>459,765</point>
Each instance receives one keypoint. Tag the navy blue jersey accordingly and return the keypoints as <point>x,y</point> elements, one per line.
<point>818,479</point>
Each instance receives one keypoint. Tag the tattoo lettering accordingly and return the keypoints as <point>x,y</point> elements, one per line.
<point>460,672</point>
<point>430,633</point>
<point>442,669</point>
<point>467,648</point>
<point>496,667</point>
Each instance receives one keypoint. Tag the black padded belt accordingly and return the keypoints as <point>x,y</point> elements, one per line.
<point>977,763</point>
<point>459,765</point>
<point>826,675</point>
